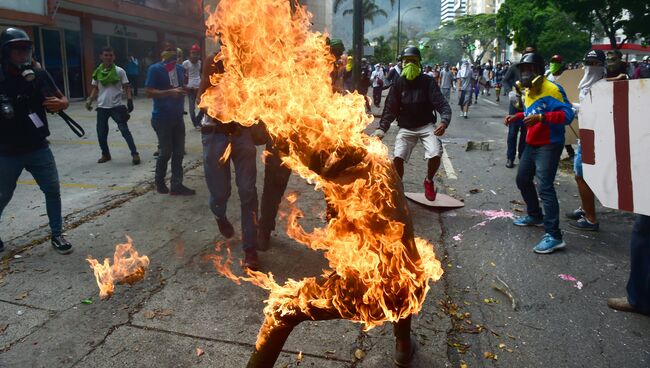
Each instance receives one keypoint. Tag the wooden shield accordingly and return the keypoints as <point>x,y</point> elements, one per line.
<point>569,80</point>
<point>615,136</point>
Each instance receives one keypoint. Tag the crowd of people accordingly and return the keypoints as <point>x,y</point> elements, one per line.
<point>418,99</point>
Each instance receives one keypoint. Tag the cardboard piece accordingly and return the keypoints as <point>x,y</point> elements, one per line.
<point>442,200</point>
<point>569,80</point>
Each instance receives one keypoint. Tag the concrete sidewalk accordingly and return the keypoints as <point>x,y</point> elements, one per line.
<point>183,304</point>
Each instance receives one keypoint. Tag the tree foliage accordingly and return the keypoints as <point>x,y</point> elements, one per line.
<point>460,35</point>
<point>632,16</point>
<point>370,11</point>
<point>544,26</point>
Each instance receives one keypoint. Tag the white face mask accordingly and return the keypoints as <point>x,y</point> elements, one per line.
<point>593,73</point>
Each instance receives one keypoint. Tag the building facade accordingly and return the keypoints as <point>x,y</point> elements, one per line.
<point>69,34</point>
<point>452,9</point>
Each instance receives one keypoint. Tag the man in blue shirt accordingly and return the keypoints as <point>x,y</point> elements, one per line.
<point>164,85</point>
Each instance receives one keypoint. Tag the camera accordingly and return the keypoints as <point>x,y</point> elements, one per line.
<point>6,107</point>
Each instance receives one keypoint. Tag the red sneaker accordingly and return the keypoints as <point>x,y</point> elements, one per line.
<point>429,190</point>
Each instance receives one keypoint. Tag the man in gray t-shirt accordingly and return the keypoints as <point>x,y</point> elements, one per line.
<point>465,87</point>
<point>446,78</point>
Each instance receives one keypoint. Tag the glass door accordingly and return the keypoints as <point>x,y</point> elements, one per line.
<point>61,57</point>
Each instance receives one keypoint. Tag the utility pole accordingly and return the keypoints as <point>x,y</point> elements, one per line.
<point>399,15</point>
<point>357,42</point>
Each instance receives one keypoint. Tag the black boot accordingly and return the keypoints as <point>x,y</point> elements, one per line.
<point>61,244</point>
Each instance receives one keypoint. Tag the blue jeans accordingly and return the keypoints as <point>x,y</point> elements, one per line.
<point>541,163</point>
<point>244,156</point>
<point>191,97</point>
<point>117,113</point>
<point>42,166</point>
<point>638,286</point>
<point>513,130</point>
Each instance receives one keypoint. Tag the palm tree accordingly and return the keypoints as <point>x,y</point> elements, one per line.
<point>337,4</point>
<point>370,11</point>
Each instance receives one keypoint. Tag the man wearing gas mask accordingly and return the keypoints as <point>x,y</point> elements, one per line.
<point>26,93</point>
<point>412,100</point>
<point>546,112</point>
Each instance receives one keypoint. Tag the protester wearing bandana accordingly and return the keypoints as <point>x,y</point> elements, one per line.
<point>164,85</point>
<point>412,101</point>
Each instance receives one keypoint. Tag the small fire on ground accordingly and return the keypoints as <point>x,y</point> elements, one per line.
<point>128,268</point>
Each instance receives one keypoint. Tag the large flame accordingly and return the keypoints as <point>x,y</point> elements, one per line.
<point>278,71</point>
<point>128,268</point>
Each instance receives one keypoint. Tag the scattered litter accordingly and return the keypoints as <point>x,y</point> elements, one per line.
<point>551,295</point>
<point>516,201</point>
<point>199,352</point>
<point>475,191</point>
<point>493,214</point>
<point>22,296</point>
<point>490,301</point>
<point>18,256</point>
<point>483,146</point>
<point>299,357</point>
<point>149,314</point>
<point>482,223</point>
<point>20,312</point>
<point>489,355</point>
<point>458,237</point>
<point>493,192</point>
<point>493,264</point>
<point>3,328</point>
<point>87,301</point>
<point>577,284</point>
<point>501,286</point>
<point>463,364</point>
<point>359,354</point>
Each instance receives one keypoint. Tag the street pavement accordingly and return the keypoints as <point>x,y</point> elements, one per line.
<point>184,314</point>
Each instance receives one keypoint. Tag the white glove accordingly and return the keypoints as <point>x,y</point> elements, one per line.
<point>379,133</point>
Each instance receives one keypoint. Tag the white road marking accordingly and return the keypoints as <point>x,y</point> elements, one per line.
<point>446,163</point>
<point>490,102</point>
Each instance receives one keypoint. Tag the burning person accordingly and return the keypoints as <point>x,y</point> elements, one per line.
<point>378,270</point>
<point>412,100</point>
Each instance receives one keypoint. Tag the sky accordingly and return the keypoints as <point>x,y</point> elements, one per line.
<point>426,18</point>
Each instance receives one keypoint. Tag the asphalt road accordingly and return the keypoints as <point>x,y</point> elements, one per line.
<point>183,305</point>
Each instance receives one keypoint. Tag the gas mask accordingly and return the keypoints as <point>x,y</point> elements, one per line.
<point>531,80</point>
<point>25,66</point>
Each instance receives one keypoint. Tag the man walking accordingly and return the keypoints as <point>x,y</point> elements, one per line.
<point>411,101</point>
<point>217,137</point>
<point>446,81</point>
<point>547,111</point>
<point>377,79</point>
<point>192,68</point>
<point>133,73</point>
<point>109,84</point>
<point>465,87</point>
<point>24,128</point>
<point>164,81</point>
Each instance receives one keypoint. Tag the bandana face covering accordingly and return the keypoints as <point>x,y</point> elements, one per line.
<point>411,71</point>
<point>554,67</point>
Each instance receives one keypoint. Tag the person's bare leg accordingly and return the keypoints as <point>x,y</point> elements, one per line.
<point>433,164</point>
<point>587,199</point>
<point>399,166</point>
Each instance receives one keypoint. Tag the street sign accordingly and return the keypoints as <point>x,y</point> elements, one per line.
<point>615,140</point>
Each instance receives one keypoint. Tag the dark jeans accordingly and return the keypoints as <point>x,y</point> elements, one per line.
<point>191,97</point>
<point>276,177</point>
<point>171,143</point>
<point>133,81</point>
<point>376,95</point>
<point>541,163</point>
<point>217,175</point>
<point>638,286</point>
<point>42,166</point>
<point>513,130</point>
<point>117,114</point>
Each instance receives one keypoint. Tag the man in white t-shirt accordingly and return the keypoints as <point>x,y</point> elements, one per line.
<point>192,68</point>
<point>109,84</point>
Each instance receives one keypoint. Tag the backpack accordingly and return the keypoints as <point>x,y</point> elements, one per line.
<point>644,72</point>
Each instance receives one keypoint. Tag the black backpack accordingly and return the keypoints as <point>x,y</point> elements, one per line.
<point>644,72</point>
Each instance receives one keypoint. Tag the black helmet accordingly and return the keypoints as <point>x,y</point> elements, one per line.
<point>535,59</point>
<point>412,51</point>
<point>596,55</point>
<point>12,35</point>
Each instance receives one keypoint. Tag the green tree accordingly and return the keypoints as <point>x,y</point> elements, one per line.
<point>384,52</point>
<point>631,16</point>
<point>461,34</point>
<point>370,11</point>
<point>544,26</point>
<point>338,3</point>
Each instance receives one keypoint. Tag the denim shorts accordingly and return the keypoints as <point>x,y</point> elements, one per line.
<point>577,163</point>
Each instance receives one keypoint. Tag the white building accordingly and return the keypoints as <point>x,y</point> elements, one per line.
<point>452,9</point>
<point>481,7</point>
